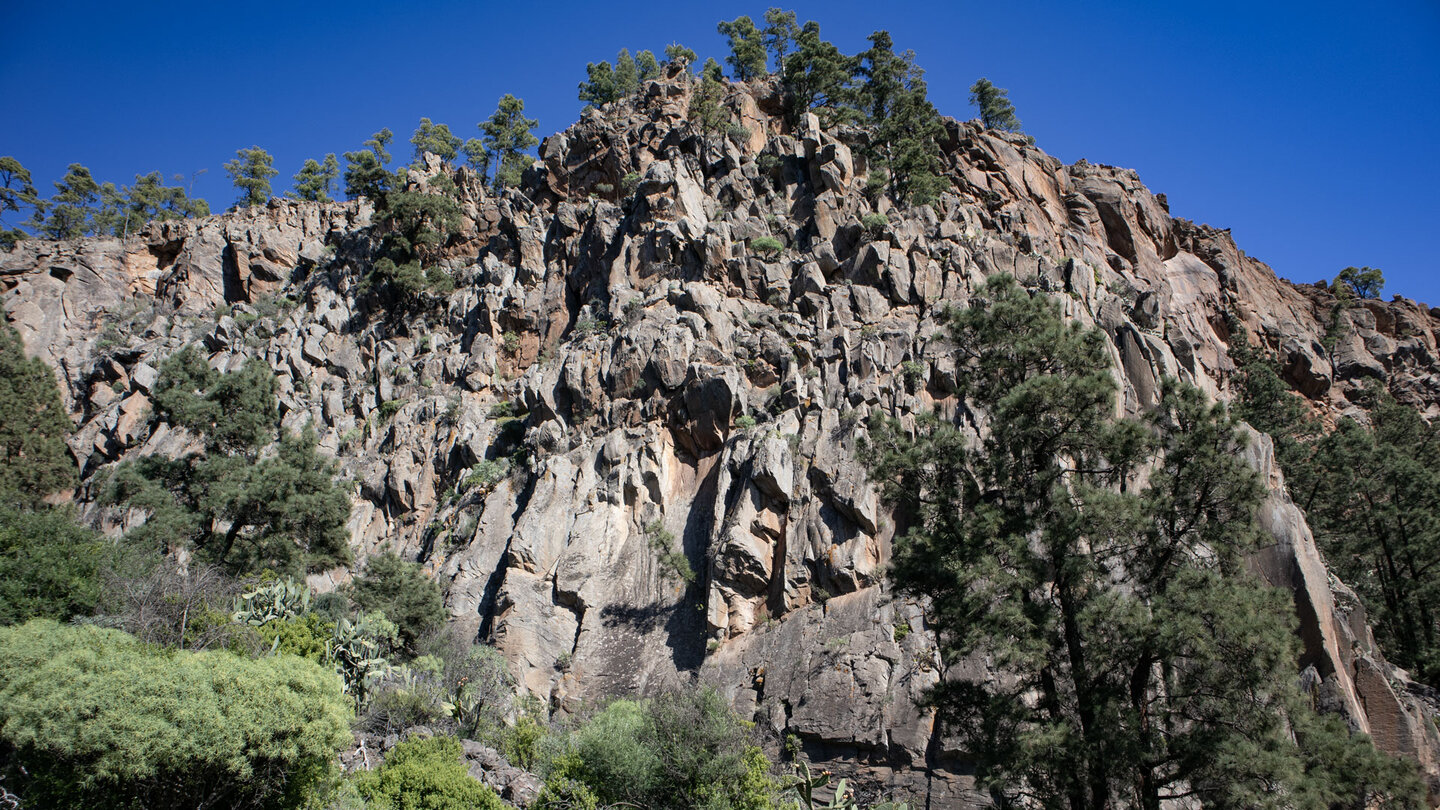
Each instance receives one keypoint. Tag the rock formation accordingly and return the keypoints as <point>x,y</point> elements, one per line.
<point>676,391</point>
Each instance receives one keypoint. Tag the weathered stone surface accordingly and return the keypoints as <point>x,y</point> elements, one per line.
<point>612,351</point>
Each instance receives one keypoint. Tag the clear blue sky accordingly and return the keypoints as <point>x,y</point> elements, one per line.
<point>1312,129</point>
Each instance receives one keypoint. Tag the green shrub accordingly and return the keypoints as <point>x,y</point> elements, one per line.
<point>91,717</point>
<point>425,774</point>
<point>502,410</point>
<point>482,688</point>
<point>50,565</point>
<point>629,183</point>
<point>485,475</point>
<point>875,223</point>
<point>389,408</point>
<point>402,698</point>
<point>737,132</point>
<point>678,750</point>
<point>304,636</point>
<point>673,563</point>
<point>745,422</point>
<point>563,793</point>
<point>401,591</point>
<point>766,244</point>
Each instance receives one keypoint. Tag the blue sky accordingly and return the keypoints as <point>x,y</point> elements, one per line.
<point>1310,129</point>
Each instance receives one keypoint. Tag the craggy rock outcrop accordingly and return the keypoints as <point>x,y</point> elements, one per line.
<point>664,391</point>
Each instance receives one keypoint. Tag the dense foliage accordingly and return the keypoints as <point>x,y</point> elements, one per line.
<point>676,750</point>
<point>425,774</point>
<point>34,461</point>
<point>242,508</point>
<point>1142,662</point>
<point>1371,494</point>
<point>251,171</point>
<point>91,718</point>
<point>401,591</point>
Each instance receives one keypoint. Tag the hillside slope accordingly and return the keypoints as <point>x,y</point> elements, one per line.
<point>670,382</point>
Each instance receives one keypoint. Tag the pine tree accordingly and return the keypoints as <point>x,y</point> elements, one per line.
<point>627,75</point>
<point>747,48</point>
<point>779,35</point>
<point>1364,282</point>
<point>365,172</point>
<point>34,460</point>
<point>1140,659</point>
<point>706,109</point>
<point>1372,496</point>
<point>316,180</point>
<point>70,213</point>
<point>675,53</point>
<point>647,67</point>
<point>16,189</point>
<point>600,86</point>
<point>507,135</point>
<point>891,94</point>
<point>435,139</point>
<point>251,171</point>
<point>280,510</point>
<point>110,218</point>
<point>605,84</point>
<point>996,111</point>
<point>817,77</point>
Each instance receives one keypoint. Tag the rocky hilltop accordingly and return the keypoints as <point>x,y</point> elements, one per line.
<point>626,373</point>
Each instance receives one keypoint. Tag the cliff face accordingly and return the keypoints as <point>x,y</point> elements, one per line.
<point>638,335</point>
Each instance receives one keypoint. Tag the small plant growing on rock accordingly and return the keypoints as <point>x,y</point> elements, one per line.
<point>672,563</point>
<point>901,631</point>
<point>737,132</point>
<point>504,409</point>
<point>605,188</point>
<point>511,342</point>
<point>914,370</point>
<point>484,475</point>
<point>745,422</point>
<point>389,408</point>
<point>766,244</point>
<point>875,224</point>
<point>629,183</point>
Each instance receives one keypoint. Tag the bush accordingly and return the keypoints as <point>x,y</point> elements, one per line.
<point>403,593</point>
<point>405,697</point>
<point>425,774</point>
<point>485,475</point>
<point>677,750</point>
<point>766,244</point>
<point>49,565</point>
<point>304,636</point>
<point>91,717</point>
<point>629,183</point>
<point>875,223</point>
<point>479,680</point>
<point>563,793</point>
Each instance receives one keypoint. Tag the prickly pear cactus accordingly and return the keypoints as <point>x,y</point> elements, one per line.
<point>273,601</point>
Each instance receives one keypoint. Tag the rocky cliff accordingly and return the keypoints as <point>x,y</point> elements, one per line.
<point>662,385</point>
